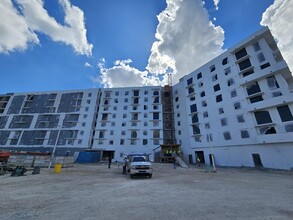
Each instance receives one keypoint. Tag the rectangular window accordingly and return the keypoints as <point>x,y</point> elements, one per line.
<point>230,82</point>
<point>256,99</point>
<point>214,77</point>
<point>205,114</point>
<point>262,117</point>
<point>219,98</point>
<point>233,93</point>
<point>217,87</point>
<point>156,134</point>
<point>225,61</point>
<point>193,108</point>
<point>261,58</point>
<point>227,135</point>
<point>240,119</point>
<point>195,129</point>
<point>253,89</point>
<point>247,73</point>
<point>102,134</point>
<point>136,93</point>
<point>190,90</point>
<point>227,71</point>
<point>133,134</point>
<point>199,75</point>
<point>237,105</point>
<point>266,65</point>
<point>256,46</point>
<point>272,83</point>
<point>241,53</point>
<point>190,81</point>
<point>156,116</point>
<point>212,68</point>
<point>244,134</point>
<point>285,113</point>
<point>244,64</point>
<point>224,122</point>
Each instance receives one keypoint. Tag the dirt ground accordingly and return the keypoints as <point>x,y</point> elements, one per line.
<point>96,192</point>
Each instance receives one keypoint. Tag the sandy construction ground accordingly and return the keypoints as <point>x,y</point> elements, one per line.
<point>96,192</point>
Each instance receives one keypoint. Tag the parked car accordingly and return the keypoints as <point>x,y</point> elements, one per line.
<point>140,165</point>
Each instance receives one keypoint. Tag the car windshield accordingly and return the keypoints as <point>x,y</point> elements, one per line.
<point>138,159</point>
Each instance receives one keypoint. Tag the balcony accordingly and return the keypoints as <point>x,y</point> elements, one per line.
<point>272,70</point>
<point>270,102</point>
<point>275,138</point>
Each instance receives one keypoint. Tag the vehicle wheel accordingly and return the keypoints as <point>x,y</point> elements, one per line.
<point>150,175</point>
<point>131,176</point>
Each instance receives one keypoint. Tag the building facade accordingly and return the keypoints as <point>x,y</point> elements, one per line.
<point>34,121</point>
<point>237,107</point>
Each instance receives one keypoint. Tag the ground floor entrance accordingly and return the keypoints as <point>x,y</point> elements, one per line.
<point>199,155</point>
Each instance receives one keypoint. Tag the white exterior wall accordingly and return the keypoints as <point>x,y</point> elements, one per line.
<point>119,120</point>
<point>271,140</point>
<point>275,150</point>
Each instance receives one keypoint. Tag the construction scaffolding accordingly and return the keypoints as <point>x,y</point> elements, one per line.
<point>169,145</point>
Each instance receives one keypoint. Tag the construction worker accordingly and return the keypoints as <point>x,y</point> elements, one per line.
<point>198,161</point>
<point>125,165</point>
<point>110,161</point>
<point>175,164</point>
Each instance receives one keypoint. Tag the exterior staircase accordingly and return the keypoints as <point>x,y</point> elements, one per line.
<point>180,159</point>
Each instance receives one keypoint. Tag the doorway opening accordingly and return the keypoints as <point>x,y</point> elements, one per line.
<point>190,159</point>
<point>199,155</point>
<point>108,153</point>
<point>257,160</point>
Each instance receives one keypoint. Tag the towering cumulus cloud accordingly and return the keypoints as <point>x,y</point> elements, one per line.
<point>278,17</point>
<point>20,29</point>
<point>186,39</point>
<point>14,31</point>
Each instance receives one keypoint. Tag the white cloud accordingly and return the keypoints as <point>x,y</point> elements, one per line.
<point>14,32</point>
<point>278,17</point>
<point>20,29</point>
<point>216,3</point>
<point>186,39</point>
<point>88,65</point>
<point>123,75</point>
<point>72,33</point>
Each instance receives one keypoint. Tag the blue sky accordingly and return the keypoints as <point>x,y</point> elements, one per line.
<point>72,44</point>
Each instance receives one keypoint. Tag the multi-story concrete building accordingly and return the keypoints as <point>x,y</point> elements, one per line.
<point>129,120</point>
<point>36,120</point>
<point>237,107</point>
